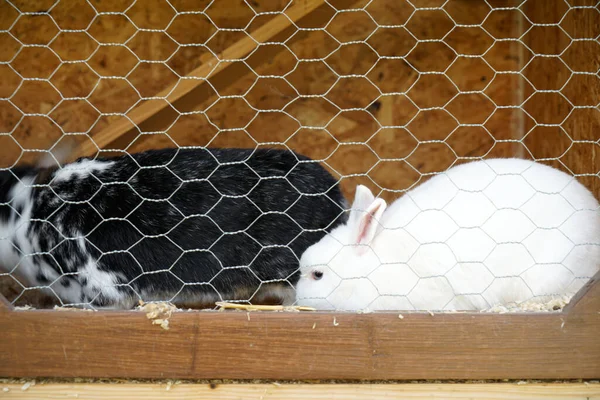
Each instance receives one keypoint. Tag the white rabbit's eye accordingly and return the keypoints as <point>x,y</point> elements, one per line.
<point>317,275</point>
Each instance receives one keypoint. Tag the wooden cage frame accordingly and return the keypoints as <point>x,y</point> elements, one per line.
<point>299,346</point>
<point>311,345</point>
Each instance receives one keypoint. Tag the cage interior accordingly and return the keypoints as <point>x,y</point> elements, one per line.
<point>383,93</point>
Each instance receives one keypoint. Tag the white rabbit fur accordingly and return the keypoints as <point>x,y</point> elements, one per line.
<point>485,233</point>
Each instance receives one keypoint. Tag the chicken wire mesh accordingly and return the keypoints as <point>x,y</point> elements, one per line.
<point>382,93</point>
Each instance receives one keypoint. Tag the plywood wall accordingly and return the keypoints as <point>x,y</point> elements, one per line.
<point>567,133</point>
<point>387,125</point>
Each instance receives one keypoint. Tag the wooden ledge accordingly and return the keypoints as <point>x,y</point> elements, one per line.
<point>265,345</point>
<point>305,345</point>
<point>156,391</point>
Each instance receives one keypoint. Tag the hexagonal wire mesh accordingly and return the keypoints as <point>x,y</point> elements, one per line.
<point>384,93</point>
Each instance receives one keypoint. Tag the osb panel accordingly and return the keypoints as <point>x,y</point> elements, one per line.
<point>14,293</point>
<point>401,134</point>
<point>569,144</point>
<point>391,127</point>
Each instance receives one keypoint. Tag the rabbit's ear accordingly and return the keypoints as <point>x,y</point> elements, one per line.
<point>362,199</point>
<point>365,228</point>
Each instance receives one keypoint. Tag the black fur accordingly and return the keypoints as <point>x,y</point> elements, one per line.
<point>220,220</point>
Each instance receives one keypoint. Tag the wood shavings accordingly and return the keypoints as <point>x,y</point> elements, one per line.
<point>400,316</point>
<point>335,323</point>
<point>256,307</point>
<point>27,385</point>
<point>164,323</point>
<point>62,308</point>
<point>23,308</point>
<point>159,313</point>
<point>430,313</point>
<point>314,325</point>
<point>5,389</point>
<point>552,304</point>
<point>169,384</point>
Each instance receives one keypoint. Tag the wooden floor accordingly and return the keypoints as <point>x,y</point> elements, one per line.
<point>483,391</point>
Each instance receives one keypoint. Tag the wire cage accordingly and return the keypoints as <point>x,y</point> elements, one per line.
<point>381,93</point>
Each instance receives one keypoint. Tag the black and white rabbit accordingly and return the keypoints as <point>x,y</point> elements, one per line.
<point>191,226</point>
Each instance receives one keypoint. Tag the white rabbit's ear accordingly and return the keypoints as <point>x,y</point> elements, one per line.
<point>362,199</point>
<point>366,227</point>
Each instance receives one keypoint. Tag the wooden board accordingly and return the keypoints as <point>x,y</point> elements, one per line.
<point>78,80</point>
<point>237,345</point>
<point>587,299</point>
<point>569,146</point>
<point>4,304</point>
<point>238,50</point>
<point>285,346</point>
<point>352,160</point>
<point>308,345</point>
<point>483,391</point>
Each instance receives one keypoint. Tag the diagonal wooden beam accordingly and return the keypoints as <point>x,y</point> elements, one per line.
<point>4,304</point>
<point>587,300</point>
<point>184,86</point>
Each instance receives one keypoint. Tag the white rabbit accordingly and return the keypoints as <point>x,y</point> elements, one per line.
<point>485,233</point>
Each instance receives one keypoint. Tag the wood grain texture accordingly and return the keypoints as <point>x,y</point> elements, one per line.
<point>209,115</point>
<point>569,145</point>
<point>238,50</point>
<point>352,142</point>
<point>483,391</point>
<point>366,147</point>
<point>587,299</point>
<point>285,346</point>
<point>237,345</point>
<point>4,304</point>
<point>13,293</point>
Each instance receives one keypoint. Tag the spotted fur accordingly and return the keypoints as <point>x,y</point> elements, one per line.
<point>192,226</point>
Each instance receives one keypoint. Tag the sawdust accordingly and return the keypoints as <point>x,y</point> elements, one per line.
<point>23,308</point>
<point>554,304</point>
<point>158,313</point>
<point>61,308</point>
